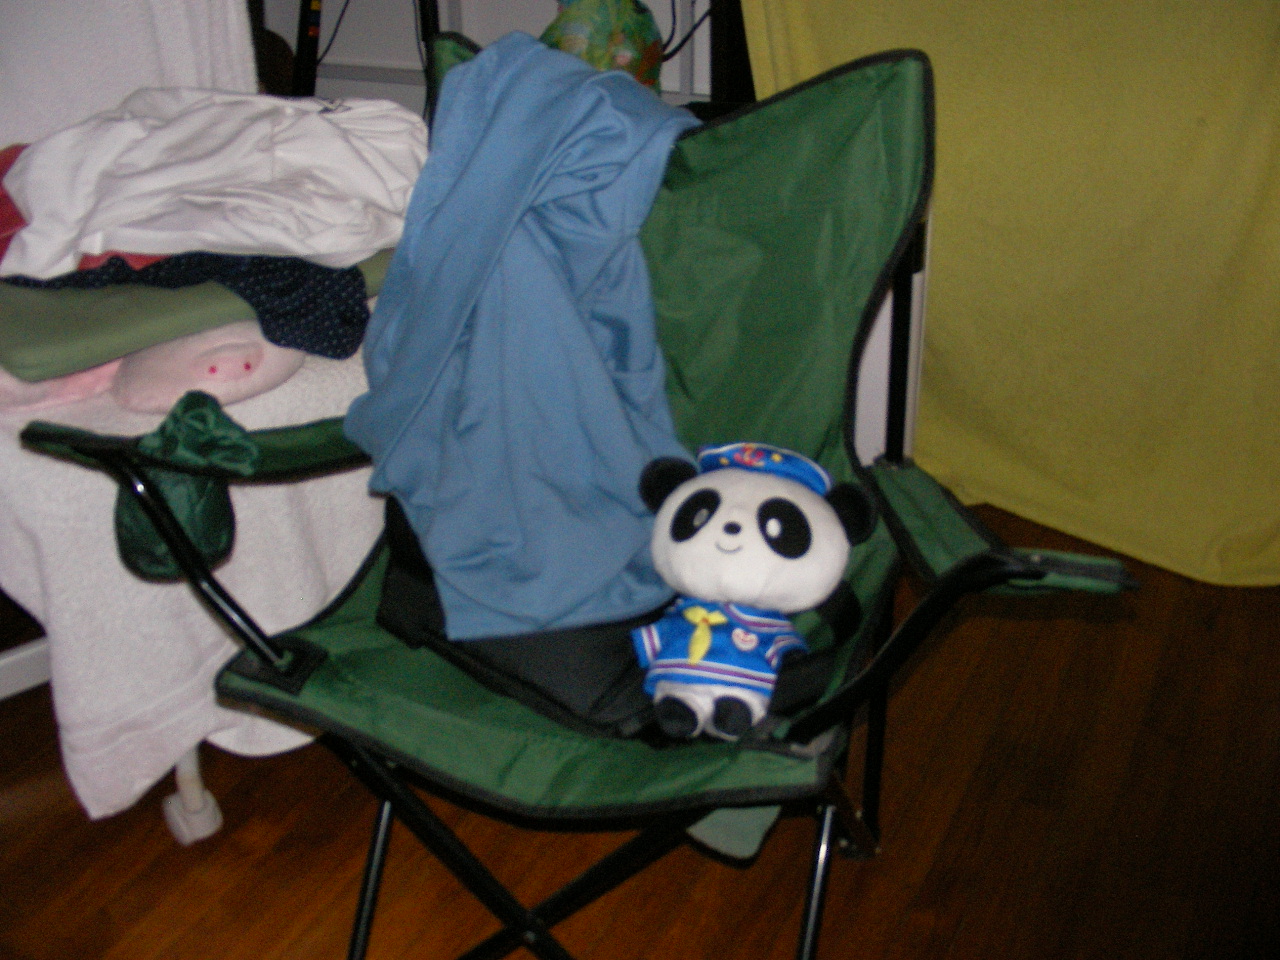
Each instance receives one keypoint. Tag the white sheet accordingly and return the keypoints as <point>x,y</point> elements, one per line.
<point>133,663</point>
<point>174,170</point>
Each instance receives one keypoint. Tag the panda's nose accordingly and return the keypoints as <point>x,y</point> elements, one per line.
<point>733,528</point>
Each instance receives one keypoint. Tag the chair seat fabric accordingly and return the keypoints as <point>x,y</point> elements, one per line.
<point>437,720</point>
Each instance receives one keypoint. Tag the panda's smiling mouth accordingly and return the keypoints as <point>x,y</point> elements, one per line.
<point>732,528</point>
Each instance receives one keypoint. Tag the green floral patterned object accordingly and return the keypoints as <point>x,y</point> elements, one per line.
<point>609,35</point>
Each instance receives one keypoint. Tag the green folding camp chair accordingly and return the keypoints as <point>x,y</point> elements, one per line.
<point>772,245</point>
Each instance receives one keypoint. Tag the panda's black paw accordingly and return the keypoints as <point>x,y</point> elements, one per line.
<point>732,717</point>
<point>676,718</point>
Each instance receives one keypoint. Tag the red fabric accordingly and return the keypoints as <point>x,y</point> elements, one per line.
<point>10,217</point>
<point>136,260</point>
<point>11,222</point>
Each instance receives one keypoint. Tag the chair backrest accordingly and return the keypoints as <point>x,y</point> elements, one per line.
<point>771,245</point>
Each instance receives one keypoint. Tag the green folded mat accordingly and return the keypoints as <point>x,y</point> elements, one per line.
<point>51,333</point>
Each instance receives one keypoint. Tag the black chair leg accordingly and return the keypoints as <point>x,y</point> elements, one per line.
<point>372,880</point>
<point>873,765</point>
<point>840,826</point>
<point>449,850</point>
<point>816,895</point>
<point>852,835</point>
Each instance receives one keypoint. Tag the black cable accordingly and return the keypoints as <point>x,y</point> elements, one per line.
<point>672,35</point>
<point>333,36</point>
<point>668,54</point>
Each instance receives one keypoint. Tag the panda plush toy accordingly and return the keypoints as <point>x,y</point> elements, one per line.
<point>752,534</point>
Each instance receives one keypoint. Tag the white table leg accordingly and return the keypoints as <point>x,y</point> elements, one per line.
<point>192,814</point>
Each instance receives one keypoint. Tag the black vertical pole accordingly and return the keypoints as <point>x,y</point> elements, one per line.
<point>731,81</point>
<point>429,24</point>
<point>873,762</point>
<point>307,48</point>
<point>911,263</point>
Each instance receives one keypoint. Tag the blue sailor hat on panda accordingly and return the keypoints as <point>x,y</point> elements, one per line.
<point>766,459</point>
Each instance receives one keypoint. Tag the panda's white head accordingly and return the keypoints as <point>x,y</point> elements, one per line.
<point>753,527</point>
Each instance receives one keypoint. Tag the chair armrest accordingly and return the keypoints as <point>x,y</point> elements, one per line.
<point>936,532</point>
<point>280,453</point>
<point>982,570</point>
<point>183,469</point>
<point>174,518</point>
<point>956,555</point>
<point>305,449</point>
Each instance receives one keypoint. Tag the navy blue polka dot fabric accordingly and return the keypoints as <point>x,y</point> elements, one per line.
<point>299,304</point>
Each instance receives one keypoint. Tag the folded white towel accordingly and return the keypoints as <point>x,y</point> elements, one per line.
<point>133,662</point>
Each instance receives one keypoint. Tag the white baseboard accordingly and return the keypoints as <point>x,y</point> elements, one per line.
<point>24,667</point>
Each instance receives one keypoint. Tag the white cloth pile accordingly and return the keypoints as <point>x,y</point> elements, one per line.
<point>178,170</point>
<point>133,662</point>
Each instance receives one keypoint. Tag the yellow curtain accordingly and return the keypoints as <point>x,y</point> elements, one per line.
<point>1103,343</point>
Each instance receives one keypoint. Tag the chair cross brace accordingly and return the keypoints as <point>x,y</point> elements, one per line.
<point>839,827</point>
<point>523,926</point>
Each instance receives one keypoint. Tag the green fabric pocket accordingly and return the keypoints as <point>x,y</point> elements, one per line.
<point>195,436</point>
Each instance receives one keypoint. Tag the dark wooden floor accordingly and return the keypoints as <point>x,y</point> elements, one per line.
<point>1066,779</point>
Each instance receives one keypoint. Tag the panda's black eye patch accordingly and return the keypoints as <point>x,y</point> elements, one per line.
<point>693,514</point>
<point>784,528</point>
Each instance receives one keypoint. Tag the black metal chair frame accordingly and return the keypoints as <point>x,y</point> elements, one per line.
<point>841,824</point>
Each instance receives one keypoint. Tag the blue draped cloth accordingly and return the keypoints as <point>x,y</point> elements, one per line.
<point>515,382</point>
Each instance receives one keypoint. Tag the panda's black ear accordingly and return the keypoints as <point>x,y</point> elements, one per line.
<point>662,476</point>
<point>856,511</point>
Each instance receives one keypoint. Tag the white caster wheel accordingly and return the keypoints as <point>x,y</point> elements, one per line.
<point>188,825</point>
<point>192,814</point>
